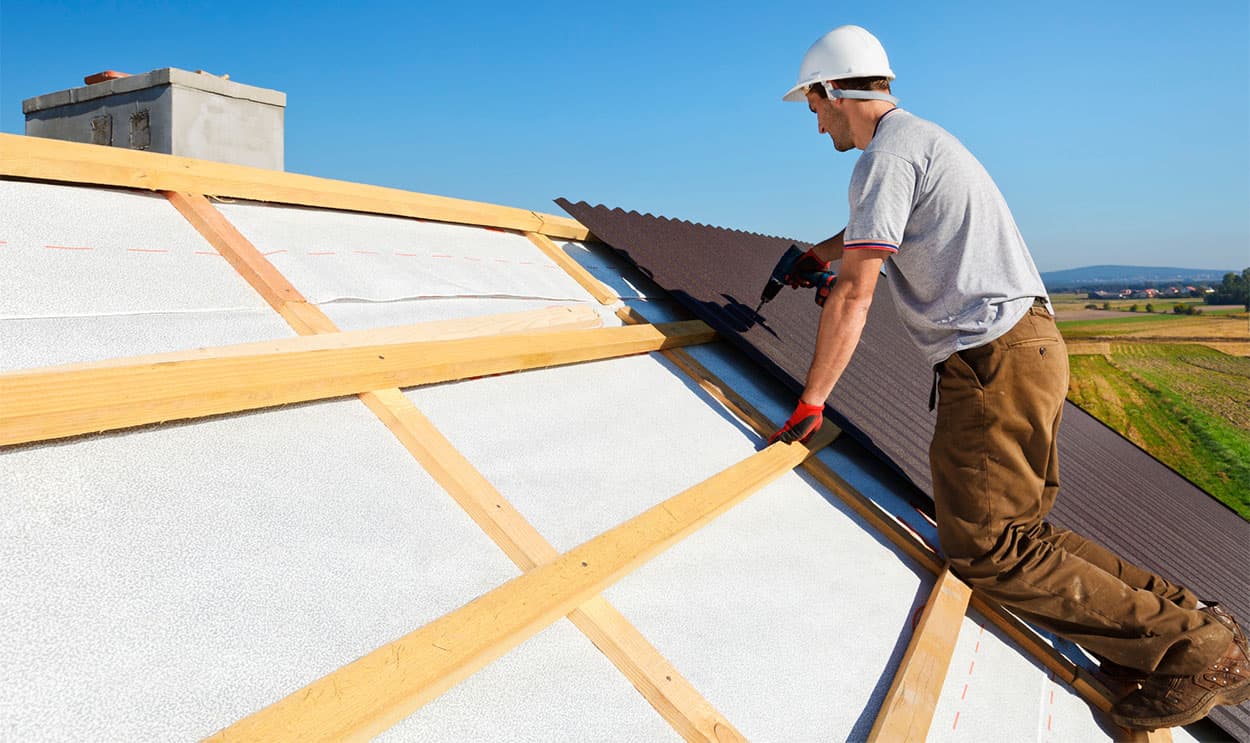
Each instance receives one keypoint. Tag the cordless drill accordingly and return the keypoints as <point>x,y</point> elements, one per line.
<point>781,275</point>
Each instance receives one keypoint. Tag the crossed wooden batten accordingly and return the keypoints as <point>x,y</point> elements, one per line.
<point>374,364</point>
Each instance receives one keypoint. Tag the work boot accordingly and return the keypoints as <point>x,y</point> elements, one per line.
<point>1167,701</point>
<point>1122,678</point>
<point>1225,618</point>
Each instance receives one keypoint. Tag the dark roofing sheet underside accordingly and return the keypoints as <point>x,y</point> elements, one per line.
<point>1112,492</point>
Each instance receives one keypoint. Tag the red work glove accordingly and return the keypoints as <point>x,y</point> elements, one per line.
<point>823,289</point>
<point>807,264</point>
<point>804,422</point>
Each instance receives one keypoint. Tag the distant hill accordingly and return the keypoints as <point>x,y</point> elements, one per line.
<point>1129,276</point>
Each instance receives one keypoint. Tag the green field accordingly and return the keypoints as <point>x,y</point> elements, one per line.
<point>1186,404</point>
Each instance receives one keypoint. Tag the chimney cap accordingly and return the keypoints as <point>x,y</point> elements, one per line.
<point>101,77</point>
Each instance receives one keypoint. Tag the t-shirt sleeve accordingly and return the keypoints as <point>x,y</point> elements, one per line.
<point>882,188</point>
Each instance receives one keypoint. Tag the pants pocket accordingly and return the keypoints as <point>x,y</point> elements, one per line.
<point>957,458</point>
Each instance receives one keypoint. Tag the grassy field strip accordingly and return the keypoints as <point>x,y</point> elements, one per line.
<point>1185,404</point>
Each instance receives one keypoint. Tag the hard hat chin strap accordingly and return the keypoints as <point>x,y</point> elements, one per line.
<point>859,95</point>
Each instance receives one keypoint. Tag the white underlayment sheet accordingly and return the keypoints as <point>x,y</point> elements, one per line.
<point>76,250</point>
<point>162,583</point>
<point>556,686</point>
<point>330,255</point>
<point>26,344</point>
<point>988,677</point>
<point>579,449</point>
<point>365,315</point>
<point>751,607</point>
<point>91,273</point>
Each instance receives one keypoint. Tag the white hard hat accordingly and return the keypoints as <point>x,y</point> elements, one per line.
<point>846,51</point>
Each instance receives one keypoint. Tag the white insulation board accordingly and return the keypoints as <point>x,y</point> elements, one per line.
<point>579,449</point>
<point>90,273</point>
<point>556,686</point>
<point>994,692</point>
<point>364,315</point>
<point>755,606</point>
<point>74,250</point>
<point>25,344</point>
<point>162,583</point>
<point>330,255</point>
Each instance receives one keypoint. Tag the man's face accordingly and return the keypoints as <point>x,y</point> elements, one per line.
<point>831,120</point>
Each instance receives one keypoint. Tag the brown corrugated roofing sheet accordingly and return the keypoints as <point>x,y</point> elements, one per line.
<point>1112,491</point>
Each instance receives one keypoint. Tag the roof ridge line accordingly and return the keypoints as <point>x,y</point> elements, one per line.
<point>675,220</point>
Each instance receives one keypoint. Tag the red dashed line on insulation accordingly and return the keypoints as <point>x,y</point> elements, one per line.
<point>971,666</point>
<point>1050,705</point>
<point>473,259</point>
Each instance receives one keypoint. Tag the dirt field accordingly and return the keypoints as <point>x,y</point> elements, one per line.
<point>1229,333</point>
<point>1064,315</point>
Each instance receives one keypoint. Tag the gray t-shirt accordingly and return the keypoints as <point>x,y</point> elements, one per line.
<point>960,272</point>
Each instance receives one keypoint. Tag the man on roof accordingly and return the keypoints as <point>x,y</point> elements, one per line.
<point>926,213</point>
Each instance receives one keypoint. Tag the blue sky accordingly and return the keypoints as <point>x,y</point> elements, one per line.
<point>1118,131</point>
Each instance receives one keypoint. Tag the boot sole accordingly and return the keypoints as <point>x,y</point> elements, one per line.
<point>1233,696</point>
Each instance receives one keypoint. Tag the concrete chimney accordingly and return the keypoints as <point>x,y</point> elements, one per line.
<point>193,114</point>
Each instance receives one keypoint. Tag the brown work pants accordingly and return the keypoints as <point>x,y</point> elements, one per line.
<point>995,476</point>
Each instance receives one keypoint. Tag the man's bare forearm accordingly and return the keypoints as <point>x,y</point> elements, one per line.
<point>842,321</point>
<point>841,325</point>
<point>830,249</point>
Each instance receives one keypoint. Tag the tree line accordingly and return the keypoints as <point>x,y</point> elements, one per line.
<point>1234,289</point>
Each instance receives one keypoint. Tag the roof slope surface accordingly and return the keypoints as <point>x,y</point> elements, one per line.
<point>163,581</point>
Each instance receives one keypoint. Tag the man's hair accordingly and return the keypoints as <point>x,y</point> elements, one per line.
<point>854,83</point>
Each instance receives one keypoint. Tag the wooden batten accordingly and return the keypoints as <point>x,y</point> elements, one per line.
<point>44,405</point>
<point>236,249</point>
<point>73,162</point>
<point>575,270</point>
<point>907,711</point>
<point>548,318</point>
<point>385,686</point>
